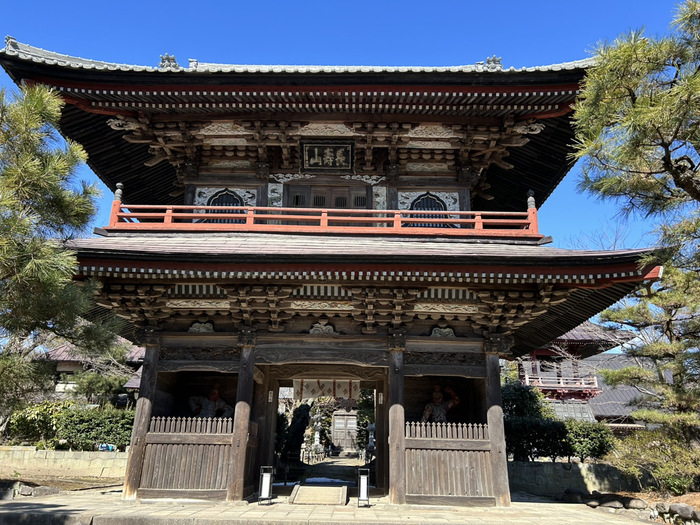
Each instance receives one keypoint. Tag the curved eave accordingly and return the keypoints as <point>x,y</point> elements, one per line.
<point>96,91</point>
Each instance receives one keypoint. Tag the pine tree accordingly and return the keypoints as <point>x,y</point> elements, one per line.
<point>638,135</point>
<point>40,208</point>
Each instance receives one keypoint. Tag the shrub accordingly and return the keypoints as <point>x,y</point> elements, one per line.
<point>529,438</point>
<point>524,401</point>
<point>665,454</point>
<point>85,429</point>
<point>588,440</point>
<point>37,423</point>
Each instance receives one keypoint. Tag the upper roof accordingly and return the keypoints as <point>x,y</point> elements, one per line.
<point>169,64</point>
<point>483,94</point>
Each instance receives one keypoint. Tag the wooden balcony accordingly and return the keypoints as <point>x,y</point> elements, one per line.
<point>163,218</point>
<point>571,383</point>
<point>565,388</point>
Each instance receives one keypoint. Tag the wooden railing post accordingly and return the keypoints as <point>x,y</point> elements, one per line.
<point>397,220</point>
<point>168,219</point>
<point>324,219</point>
<point>250,216</point>
<point>478,222</point>
<point>532,212</point>
<point>116,206</point>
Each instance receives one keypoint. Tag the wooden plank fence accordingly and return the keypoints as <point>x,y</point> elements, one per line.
<point>189,457</point>
<point>448,462</point>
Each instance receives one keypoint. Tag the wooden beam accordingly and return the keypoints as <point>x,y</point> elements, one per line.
<point>142,418</point>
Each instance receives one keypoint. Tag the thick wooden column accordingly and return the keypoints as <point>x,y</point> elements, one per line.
<point>397,448</point>
<point>268,421</point>
<point>381,441</point>
<point>142,417</point>
<point>495,346</point>
<point>241,417</point>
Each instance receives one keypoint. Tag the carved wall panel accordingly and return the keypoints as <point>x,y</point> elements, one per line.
<point>247,196</point>
<point>451,199</point>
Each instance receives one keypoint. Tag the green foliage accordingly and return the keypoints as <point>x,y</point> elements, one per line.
<point>532,432</point>
<point>41,206</point>
<point>636,119</point>
<point>75,427</point>
<point>281,433</point>
<point>98,387</point>
<point>524,401</point>
<point>585,439</point>
<point>667,369</point>
<point>665,454</point>
<point>529,438</point>
<point>365,417</point>
<point>38,207</point>
<point>85,429</point>
<point>37,423</point>
<point>22,379</point>
<point>295,434</point>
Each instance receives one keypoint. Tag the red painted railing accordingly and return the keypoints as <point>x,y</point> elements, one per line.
<point>314,220</point>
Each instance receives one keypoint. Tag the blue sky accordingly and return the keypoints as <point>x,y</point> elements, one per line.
<point>360,32</point>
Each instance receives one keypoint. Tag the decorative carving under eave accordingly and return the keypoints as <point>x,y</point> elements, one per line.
<point>246,337</point>
<point>444,358</point>
<point>262,170</point>
<point>442,332</point>
<point>201,327</point>
<point>326,130</point>
<point>367,179</point>
<point>528,128</point>
<point>396,340</point>
<point>199,304</point>
<point>506,310</point>
<point>500,344</point>
<point>123,124</point>
<point>322,328</point>
<point>432,132</point>
<point>139,304</point>
<point>198,354</point>
<point>288,177</point>
<point>383,307</point>
<point>256,305</point>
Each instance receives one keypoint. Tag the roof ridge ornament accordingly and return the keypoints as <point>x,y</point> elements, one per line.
<point>492,64</point>
<point>11,43</point>
<point>168,62</point>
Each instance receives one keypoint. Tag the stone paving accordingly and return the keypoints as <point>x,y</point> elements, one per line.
<point>105,507</point>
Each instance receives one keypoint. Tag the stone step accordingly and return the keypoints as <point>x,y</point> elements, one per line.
<point>319,495</point>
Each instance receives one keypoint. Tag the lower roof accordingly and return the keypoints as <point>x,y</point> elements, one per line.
<point>594,279</point>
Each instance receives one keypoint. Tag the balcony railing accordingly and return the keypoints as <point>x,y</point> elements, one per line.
<point>164,218</point>
<point>569,383</point>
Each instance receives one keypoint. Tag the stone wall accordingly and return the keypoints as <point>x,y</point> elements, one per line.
<point>552,479</point>
<point>29,461</point>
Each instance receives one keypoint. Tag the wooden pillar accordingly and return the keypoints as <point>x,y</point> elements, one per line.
<point>381,440</point>
<point>241,417</point>
<point>495,346</point>
<point>397,449</point>
<point>142,417</point>
<point>268,422</point>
